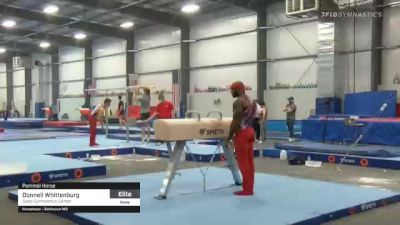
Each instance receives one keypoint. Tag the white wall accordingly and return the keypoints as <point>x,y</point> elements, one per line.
<point>292,71</point>
<point>391,37</point>
<point>109,67</point>
<point>233,49</point>
<point>344,67</point>
<point>41,81</point>
<point>155,65</point>
<point>223,50</point>
<point>70,71</point>
<point>204,102</point>
<point>231,20</point>
<point>285,42</point>
<point>223,76</point>
<point>290,41</point>
<point>276,100</point>
<point>19,90</point>
<point>158,59</point>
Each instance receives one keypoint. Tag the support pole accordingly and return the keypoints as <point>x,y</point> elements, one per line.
<point>88,75</point>
<point>376,41</point>
<point>171,169</point>
<point>55,73</point>
<point>10,83</point>
<point>130,67</point>
<point>28,91</point>
<point>185,68</point>
<point>261,55</point>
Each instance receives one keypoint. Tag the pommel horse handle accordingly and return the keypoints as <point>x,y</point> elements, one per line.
<point>217,112</point>
<point>191,112</point>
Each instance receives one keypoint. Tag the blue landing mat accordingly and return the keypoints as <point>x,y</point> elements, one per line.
<point>280,126</point>
<point>386,163</point>
<point>22,123</point>
<point>360,150</point>
<point>72,147</point>
<point>10,135</point>
<point>198,152</point>
<point>278,200</point>
<point>18,168</point>
<point>376,133</point>
<point>282,135</point>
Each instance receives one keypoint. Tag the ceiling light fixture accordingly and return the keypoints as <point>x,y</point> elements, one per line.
<point>8,23</point>
<point>50,9</point>
<point>190,8</point>
<point>126,25</point>
<point>44,44</point>
<point>2,50</point>
<point>80,36</point>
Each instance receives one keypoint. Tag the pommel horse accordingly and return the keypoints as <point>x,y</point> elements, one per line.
<point>182,130</point>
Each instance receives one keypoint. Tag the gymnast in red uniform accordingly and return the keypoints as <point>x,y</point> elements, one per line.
<point>242,133</point>
<point>98,114</point>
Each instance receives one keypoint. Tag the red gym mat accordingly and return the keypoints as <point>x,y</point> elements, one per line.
<point>64,123</point>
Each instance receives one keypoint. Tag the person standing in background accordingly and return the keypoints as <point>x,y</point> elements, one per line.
<point>164,109</point>
<point>144,102</point>
<point>290,110</point>
<point>256,121</point>
<point>54,112</point>
<point>263,121</point>
<point>121,112</point>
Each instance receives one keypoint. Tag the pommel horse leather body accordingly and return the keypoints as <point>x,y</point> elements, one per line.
<point>182,130</point>
<point>189,129</point>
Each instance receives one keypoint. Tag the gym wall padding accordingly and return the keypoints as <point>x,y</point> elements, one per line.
<point>369,103</point>
<point>39,113</point>
<point>280,126</point>
<point>328,106</point>
<point>374,132</point>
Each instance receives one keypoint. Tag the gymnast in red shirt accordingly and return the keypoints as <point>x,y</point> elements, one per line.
<point>164,109</point>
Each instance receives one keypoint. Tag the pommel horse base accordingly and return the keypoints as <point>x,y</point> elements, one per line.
<point>182,130</point>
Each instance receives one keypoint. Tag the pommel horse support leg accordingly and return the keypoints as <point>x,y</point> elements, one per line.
<point>182,130</point>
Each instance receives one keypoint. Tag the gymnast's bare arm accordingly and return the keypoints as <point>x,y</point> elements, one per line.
<point>238,107</point>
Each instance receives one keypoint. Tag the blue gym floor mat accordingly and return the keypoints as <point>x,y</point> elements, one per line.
<point>359,150</point>
<point>71,147</point>
<point>193,152</point>
<point>278,200</point>
<point>10,135</point>
<point>18,168</point>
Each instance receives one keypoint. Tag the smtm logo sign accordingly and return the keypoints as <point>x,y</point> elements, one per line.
<point>206,132</point>
<point>368,206</point>
<point>57,175</point>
